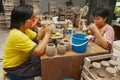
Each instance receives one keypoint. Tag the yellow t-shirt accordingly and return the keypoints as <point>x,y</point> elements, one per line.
<point>18,47</point>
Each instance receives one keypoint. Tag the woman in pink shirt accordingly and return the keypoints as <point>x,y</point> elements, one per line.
<point>103,33</point>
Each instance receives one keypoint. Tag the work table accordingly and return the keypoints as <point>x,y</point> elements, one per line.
<point>70,64</point>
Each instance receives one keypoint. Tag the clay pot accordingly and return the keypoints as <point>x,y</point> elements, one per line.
<point>50,49</point>
<point>102,72</point>
<point>58,40</point>
<point>61,48</point>
<point>51,41</point>
<point>111,72</point>
<point>96,65</point>
<point>105,63</point>
<point>118,73</point>
<point>67,43</point>
<point>113,63</point>
<point>95,68</point>
<point>98,78</point>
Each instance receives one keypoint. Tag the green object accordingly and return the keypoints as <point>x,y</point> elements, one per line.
<point>117,10</point>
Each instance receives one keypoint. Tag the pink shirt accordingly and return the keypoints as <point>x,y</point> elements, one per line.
<point>108,34</point>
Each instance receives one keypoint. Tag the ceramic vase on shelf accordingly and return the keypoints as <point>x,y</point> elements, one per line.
<point>102,72</point>
<point>117,77</point>
<point>113,63</point>
<point>111,72</point>
<point>95,68</point>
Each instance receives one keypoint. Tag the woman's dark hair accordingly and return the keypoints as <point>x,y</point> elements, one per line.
<point>103,12</point>
<point>19,15</point>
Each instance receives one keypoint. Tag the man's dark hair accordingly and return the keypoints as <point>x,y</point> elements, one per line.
<point>103,12</point>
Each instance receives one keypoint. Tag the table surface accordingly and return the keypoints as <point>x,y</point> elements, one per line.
<point>92,49</point>
<point>59,67</point>
<point>70,64</point>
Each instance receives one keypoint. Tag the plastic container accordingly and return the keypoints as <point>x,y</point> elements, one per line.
<point>68,79</point>
<point>69,31</point>
<point>79,42</point>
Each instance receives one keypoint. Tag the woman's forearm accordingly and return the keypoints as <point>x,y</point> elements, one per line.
<point>40,35</point>
<point>39,50</point>
<point>100,40</point>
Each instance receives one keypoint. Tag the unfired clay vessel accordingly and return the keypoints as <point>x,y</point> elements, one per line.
<point>102,72</point>
<point>118,73</point>
<point>50,49</point>
<point>111,72</point>
<point>113,63</point>
<point>67,43</point>
<point>96,66</point>
<point>61,48</point>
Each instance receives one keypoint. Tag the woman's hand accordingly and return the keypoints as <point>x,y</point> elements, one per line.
<point>44,31</point>
<point>93,28</point>
<point>38,17</point>
<point>47,29</point>
<point>100,39</point>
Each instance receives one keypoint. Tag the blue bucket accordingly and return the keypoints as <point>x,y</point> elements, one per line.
<point>79,42</point>
<point>68,79</point>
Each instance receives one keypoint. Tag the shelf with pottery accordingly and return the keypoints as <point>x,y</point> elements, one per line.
<point>67,64</point>
<point>8,6</point>
<point>101,67</point>
<point>54,22</point>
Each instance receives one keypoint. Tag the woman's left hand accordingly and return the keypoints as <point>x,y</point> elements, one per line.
<point>47,29</point>
<point>93,28</point>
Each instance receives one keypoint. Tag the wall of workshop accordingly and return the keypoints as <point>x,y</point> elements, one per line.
<point>44,3</point>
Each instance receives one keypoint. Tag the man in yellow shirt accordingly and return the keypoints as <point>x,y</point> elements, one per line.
<point>21,59</point>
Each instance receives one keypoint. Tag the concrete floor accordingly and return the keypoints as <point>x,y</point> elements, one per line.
<point>4,35</point>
